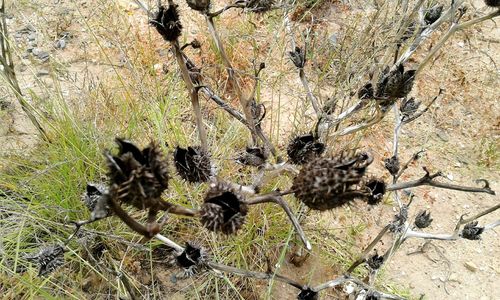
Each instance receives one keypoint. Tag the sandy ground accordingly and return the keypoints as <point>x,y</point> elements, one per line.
<point>454,134</point>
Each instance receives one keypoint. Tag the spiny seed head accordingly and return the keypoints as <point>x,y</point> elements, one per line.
<point>304,148</point>
<point>399,220</point>
<point>376,187</point>
<point>433,14</point>
<point>392,165</point>
<point>327,183</point>
<point>192,260</point>
<point>167,23</point>
<point>49,259</point>
<point>259,6</point>
<point>195,44</point>
<point>307,294</point>
<point>375,261</point>
<point>199,5</point>
<point>492,3</point>
<point>409,107</point>
<point>138,177</point>
<point>472,232</point>
<point>92,194</point>
<point>395,84</point>
<point>253,156</point>
<point>192,164</point>
<point>298,57</point>
<point>372,295</point>
<point>366,92</point>
<point>224,209</point>
<point>423,219</point>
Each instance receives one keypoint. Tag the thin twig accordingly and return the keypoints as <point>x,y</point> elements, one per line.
<point>428,179</point>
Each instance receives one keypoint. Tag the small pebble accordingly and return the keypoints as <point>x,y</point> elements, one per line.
<point>470,266</point>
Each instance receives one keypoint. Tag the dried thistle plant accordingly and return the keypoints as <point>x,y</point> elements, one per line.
<point>48,259</point>
<point>327,183</point>
<point>193,164</point>
<point>224,209</point>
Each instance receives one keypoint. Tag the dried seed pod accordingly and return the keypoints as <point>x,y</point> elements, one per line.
<point>471,231</point>
<point>259,6</point>
<point>392,165</point>
<point>307,294</point>
<point>366,92</point>
<point>377,191</point>
<point>192,164</point>
<point>49,259</point>
<point>304,148</point>
<point>409,107</point>
<point>137,177</point>
<point>224,209</point>
<point>372,295</point>
<point>93,193</point>
<point>253,156</point>
<point>423,219</point>
<point>195,44</point>
<point>398,223</point>
<point>433,14</point>
<point>199,5</point>
<point>192,260</point>
<point>395,84</point>
<point>327,183</point>
<point>492,3</point>
<point>194,72</point>
<point>298,57</point>
<point>167,23</point>
<point>375,261</point>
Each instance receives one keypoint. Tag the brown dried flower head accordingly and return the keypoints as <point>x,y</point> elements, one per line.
<point>224,209</point>
<point>304,148</point>
<point>395,84</point>
<point>433,14</point>
<point>199,5</point>
<point>376,188</point>
<point>253,156</point>
<point>492,3</point>
<point>167,23</point>
<point>192,260</point>
<point>48,259</point>
<point>307,294</point>
<point>471,231</point>
<point>327,183</point>
<point>192,164</point>
<point>137,177</point>
<point>423,219</point>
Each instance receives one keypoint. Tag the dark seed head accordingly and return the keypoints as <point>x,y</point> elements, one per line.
<point>327,183</point>
<point>138,177</point>
<point>372,295</point>
<point>192,259</point>
<point>472,232</point>
<point>376,188</point>
<point>167,23</point>
<point>253,156</point>
<point>195,44</point>
<point>395,84</point>
<point>307,294</point>
<point>298,57</point>
<point>375,261</point>
<point>259,6</point>
<point>433,14</point>
<point>423,219</point>
<point>304,148</point>
<point>409,107</point>
<point>366,92</point>
<point>224,209</point>
<point>199,5</point>
<point>492,3</point>
<point>392,165</point>
<point>399,220</point>
<point>192,164</point>
<point>93,192</point>
<point>49,259</point>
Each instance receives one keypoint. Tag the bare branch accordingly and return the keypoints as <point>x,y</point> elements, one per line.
<point>428,179</point>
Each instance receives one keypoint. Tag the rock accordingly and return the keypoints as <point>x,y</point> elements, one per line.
<point>60,44</point>
<point>41,55</point>
<point>442,135</point>
<point>32,36</point>
<point>471,266</point>
<point>42,72</point>
<point>453,277</point>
